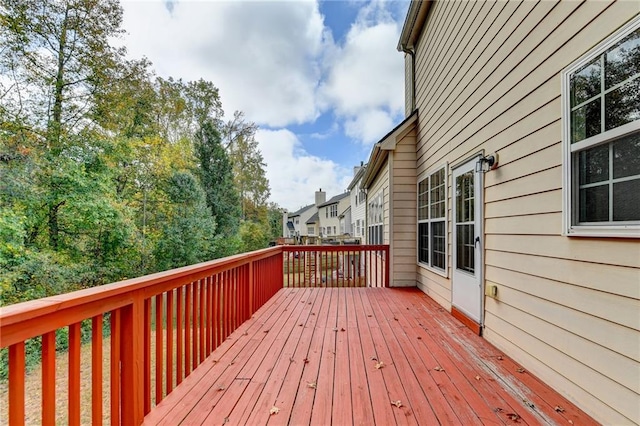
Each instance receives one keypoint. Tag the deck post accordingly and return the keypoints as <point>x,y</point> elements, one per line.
<point>132,330</point>
<point>387,266</point>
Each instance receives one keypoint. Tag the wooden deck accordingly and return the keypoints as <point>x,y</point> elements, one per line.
<point>365,356</point>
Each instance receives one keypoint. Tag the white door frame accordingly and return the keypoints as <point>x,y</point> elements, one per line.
<point>467,287</point>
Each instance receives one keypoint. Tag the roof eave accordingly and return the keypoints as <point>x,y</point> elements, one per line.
<point>380,150</point>
<point>413,23</point>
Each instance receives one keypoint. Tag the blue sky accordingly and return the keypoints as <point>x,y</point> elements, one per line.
<point>322,79</point>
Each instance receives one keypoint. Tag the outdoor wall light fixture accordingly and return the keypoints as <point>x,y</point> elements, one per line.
<point>484,164</point>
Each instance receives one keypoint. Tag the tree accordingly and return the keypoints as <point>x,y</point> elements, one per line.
<point>188,232</point>
<point>216,176</point>
<point>248,168</point>
<point>54,54</point>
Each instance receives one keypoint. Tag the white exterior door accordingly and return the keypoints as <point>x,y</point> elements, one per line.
<point>467,241</point>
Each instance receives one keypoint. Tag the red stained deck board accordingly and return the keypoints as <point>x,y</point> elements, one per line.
<point>304,399</point>
<point>293,381</point>
<point>522,385</point>
<point>332,338</point>
<point>360,396</point>
<point>381,404</point>
<point>342,409</point>
<point>250,380</point>
<point>322,404</point>
<point>403,414</point>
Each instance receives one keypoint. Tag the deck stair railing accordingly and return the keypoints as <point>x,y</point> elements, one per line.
<point>160,326</point>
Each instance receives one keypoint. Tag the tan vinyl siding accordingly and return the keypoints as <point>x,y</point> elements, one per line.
<point>403,205</point>
<point>488,79</point>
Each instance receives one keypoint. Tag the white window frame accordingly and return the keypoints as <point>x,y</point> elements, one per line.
<point>570,225</point>
<point>333,210</point>
<point>427,175</point>
<point>375,213</point>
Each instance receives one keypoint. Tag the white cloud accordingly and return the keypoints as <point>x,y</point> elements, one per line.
<point>294,174</point>
<point>369,126</point>
<point>366,78</point>
<point>263,56</point>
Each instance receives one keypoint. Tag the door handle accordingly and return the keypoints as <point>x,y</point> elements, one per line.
<point>475,243</point>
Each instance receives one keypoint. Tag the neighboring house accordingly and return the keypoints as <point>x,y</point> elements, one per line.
<point>345,222</point>
<point>358,200</point>
<point>296,224</point>
<point>329,214</point>
<point>313,226</point>
<point>551,234</point>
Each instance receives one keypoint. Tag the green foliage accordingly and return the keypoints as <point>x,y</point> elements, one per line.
<point>187,235</point>
<point>106,171</point>
<point>252,236</point>
<point>216,176</point>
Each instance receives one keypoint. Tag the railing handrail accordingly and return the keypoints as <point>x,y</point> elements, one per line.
<point>33,311</point>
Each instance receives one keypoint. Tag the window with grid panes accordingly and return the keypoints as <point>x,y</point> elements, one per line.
<point>602,138</point>
<point>375,224</point>
<point>432,227</point>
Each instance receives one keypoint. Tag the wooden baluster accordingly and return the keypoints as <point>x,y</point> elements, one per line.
<point>96,370</point>
<point>187,330</point>
<point>49,378</point>
<point>202,331</point>
<point>194,325</point>
<point>16,378</point>
<point>208,303</point>
<point>74,374</point>
<point>115,367</point>
<point>147,356</point>
<point>159,348</point>
<point>179,336</point>
<point>169,337</point>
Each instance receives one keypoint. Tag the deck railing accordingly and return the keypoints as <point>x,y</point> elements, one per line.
<point>336,266</point>
<point>162,326</point>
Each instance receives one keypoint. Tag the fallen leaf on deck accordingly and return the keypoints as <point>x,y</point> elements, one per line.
<point>513,416</point>
<point>373,358</point>
<point>397,403</point>
<point>559,409</point>
<point>497,410</point>
<point>226,420</point>
<point>379,365</point>
<point>499,358</point>
<point>274,410</point>
<point>335,329</point>
<point>312,385</point>
<point>439,368</point>
<point>570,421</point>
<point>245,334</point>
<point>395,318</point>
<point>369,316</point>
<point>520,370</point>
<point>265,331</point>
<point>291,359</point>
<point>313,313</point>
<point>528,403</point>
<point>419,338</point>
<point>306,360</point>
<point>342,329</point>
<point>477,377</point>
<point>299,325</point>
